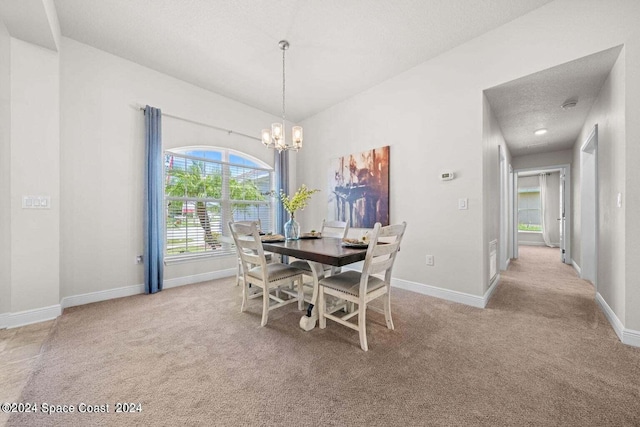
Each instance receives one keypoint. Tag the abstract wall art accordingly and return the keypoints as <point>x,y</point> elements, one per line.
<point>359,188</point>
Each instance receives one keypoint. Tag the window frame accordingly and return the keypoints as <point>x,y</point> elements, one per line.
<point>530,190</point>
<point>224,202</point>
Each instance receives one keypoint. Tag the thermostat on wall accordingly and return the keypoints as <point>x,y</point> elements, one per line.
<point>446,175</point>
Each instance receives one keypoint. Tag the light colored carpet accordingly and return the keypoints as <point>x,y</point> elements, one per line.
<point>541,353</point>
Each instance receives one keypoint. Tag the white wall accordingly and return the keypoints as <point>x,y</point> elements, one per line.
<point>35,170</point>
<point>541,160</point>
<point>432,117</point>
<point>405,113</point>
<point>631,202</point>
<point>492,139</point>
<point>608,112</point>
<point>5,168</point>
<point>102,153</point>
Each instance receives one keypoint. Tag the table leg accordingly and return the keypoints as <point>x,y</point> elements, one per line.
<point>308,321</point>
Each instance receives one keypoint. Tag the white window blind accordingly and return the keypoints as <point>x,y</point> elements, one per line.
<point>204,190</point>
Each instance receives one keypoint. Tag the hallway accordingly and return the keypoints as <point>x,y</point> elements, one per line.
<point>538,284</point>
<point>551,314</point>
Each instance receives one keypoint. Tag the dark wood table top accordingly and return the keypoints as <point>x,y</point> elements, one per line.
<point>327,250</point>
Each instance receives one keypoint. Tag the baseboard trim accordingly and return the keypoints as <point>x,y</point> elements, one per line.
<point>197,278</point>
<point>627,336</point>
<point>446,294</point>
<point>27,317</point>
<point>14,320</point>
<point>631,337</point>
<point>91,297</point>
<point>616,324</point>
<point>492,288</point>
<point>576,267</point>
<point>128,291</point>
<point>3,320</point>
<point>523,243</point>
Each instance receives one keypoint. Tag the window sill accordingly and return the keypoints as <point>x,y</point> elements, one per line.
<point>180,259</point>
<point>529,232</point>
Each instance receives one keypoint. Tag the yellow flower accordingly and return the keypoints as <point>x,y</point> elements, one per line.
<point>298,201</point>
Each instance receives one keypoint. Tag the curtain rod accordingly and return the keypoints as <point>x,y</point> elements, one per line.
<point>228,131</point>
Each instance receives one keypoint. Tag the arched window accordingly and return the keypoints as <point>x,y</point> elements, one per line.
<point>205,188</point>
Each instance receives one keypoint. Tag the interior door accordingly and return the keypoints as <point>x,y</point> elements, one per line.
<point>562,218</point>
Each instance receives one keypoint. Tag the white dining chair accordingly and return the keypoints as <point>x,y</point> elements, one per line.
<point>338,229</point>
<point>256,271</point>
<point>362,287</point>
<point>268,255</point>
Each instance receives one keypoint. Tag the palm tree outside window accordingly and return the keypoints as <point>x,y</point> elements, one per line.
<point>206,188</point>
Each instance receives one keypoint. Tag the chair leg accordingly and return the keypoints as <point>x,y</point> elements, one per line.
<point>245,291</point>
<point>362,325</point>
<point>300,282</point>
<point>321,307</point>
<point>387,310</point>
<point>265,305</point>
<point>238,273</point>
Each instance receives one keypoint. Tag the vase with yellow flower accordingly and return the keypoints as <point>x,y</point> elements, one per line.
<point>292,204</point>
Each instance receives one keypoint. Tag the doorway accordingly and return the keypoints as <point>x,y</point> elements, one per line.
<point>530,216</point>
<point>589,207</point>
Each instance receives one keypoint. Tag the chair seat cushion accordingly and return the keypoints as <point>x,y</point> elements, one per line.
<point>349,283</point>
<point>275,271</point>
<point>304,265</point>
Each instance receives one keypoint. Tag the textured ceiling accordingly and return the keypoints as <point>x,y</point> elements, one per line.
<point>534,102</point>
<point>338,48</point>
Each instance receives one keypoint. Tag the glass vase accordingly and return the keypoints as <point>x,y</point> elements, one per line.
<point>292,229</point>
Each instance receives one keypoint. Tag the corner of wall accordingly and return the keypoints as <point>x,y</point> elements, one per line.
<point>5,170</point>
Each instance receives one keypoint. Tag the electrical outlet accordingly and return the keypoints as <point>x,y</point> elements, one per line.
<point>430,260</point>
<point>139,259</point>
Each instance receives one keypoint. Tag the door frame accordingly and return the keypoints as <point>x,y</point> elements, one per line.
<point>590,147</point>
<point>504,254</point>
<point>566,167</point>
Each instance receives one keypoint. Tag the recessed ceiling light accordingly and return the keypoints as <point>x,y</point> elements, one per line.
<point>540,131</point>
<point>569,104</point>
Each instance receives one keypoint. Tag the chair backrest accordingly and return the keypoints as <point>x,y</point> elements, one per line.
<point>334,229</point>
<point>248,244</point>
<point>380,257</point>
<point>249,223</point>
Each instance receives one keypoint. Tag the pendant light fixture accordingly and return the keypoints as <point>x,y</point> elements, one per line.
<point>275,137</point>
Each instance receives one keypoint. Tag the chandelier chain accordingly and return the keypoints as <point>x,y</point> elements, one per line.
<point>283,86</point>
<point>275,137</point>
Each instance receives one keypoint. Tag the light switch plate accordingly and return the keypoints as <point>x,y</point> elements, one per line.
<point>36,202</point>
<point>463,204</point>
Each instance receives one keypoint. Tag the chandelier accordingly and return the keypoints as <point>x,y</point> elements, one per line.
<point>275,137</point>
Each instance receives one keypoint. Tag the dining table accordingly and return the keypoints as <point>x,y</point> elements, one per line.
<point>318,252</point>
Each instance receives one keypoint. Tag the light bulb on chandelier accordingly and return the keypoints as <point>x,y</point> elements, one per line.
<point>275,137</point>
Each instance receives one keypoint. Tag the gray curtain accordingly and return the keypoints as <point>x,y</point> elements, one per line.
<point>153,202</point>
<point>281,163</point>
